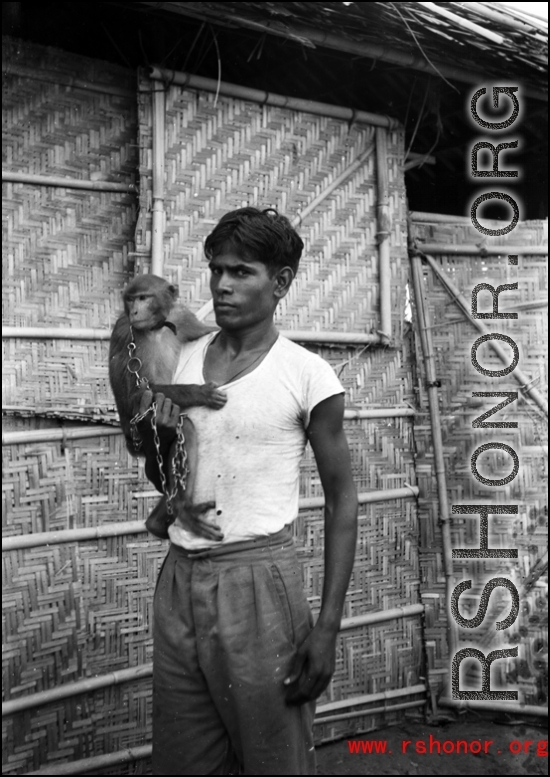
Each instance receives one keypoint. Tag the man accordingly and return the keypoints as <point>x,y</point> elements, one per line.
<point>237,661</point>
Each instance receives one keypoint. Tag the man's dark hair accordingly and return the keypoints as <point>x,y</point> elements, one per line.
<point>262,235</point>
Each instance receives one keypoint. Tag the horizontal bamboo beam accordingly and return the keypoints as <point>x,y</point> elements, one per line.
<point>95,763</point>
<point>371,711</point>
<point>101,430</point>
<point>495,706</point>
<point>55,333</point>
<point>90,684</point>
<point>123,528</point>
<point>469,249</point>
<point>419,216</point>
<point>61,79</point>
<point>296,335</point>
<point>371,618</point>
<point>361,48</point>
<point>67,183</point>
<point>269,98</point>
<point>67,690</point>
<point>371,698</point>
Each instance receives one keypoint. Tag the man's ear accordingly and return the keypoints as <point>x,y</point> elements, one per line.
<point>283,278</point>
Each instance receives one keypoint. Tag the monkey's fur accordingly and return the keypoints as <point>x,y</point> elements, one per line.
<point>159,325</point>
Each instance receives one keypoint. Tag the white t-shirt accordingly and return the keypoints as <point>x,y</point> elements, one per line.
<point>250,450</point>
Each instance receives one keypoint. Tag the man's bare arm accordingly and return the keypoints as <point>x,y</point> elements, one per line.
<point>314,661</point>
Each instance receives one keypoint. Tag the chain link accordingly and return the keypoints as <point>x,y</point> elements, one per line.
<point>180,469</point>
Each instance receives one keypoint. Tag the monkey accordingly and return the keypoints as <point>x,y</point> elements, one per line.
<point>143,353</point>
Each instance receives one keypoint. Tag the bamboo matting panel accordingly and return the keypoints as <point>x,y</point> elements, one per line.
<point>453,338</point>
<point>77,609</point>
<point>66,252</point>
<point>224,153</point>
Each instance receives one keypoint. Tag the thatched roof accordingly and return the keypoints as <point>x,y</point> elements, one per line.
<point>460,41</point>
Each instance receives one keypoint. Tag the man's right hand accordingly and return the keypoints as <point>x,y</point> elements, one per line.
<point>189,517</point>
<point>167,416</point>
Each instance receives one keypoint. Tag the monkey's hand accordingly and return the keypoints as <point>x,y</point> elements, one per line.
<point>213,397</point>
<point>189,517</point>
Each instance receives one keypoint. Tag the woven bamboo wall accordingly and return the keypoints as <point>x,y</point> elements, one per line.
<point>453,338</point>
<point>80,609</point>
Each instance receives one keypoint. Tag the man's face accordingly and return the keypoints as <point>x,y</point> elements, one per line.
<point>243,292</point>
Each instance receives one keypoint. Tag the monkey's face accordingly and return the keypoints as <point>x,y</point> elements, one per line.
<point>243,291</point>
<point>143,311</point>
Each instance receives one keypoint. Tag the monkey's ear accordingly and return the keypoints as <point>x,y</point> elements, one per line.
<point>174,291</point>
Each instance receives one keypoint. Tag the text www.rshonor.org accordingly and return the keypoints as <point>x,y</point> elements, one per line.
<point>448,746</point>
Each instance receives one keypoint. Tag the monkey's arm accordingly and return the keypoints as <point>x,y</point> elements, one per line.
<point>191,394</point>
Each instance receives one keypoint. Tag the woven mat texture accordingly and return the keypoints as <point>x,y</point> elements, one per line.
<point>453,337</point>
<point>79,609</point>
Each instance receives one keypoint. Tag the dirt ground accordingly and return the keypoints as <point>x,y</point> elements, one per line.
<point>505,736</point>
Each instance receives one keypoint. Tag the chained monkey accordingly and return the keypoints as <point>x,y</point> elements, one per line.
<point>143,354</point>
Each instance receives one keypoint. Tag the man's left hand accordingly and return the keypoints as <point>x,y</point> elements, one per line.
<point>312,667</point>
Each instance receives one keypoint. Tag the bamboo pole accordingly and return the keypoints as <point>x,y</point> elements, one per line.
<point>371,618</point>
<point>296,335</point>
<point>9,176</point>
<point>469,249</point>
<point>57,435</point>
<point>523,379</point>
<point>338,181</point>
<point>439,460</point>
<point>157,240</point>
<point>444,218</point>
<point>55,333</point>
<point>269,98</point>
<point>97,762</point>
<point>377,51</point>
<point>61,79</point>
<point>67,690</point>
<point>495,706</point>
<point>90,684</point>
<point>370,698</point>
<point>383,235</point>
<point>123,528</point>
<point>373,711</point>
<point>102,430</point>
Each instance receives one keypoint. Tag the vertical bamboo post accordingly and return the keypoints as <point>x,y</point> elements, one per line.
<point>383,233</point>
<point>433,400</point>
<point>157,249</point>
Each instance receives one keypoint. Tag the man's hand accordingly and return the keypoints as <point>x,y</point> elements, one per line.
<point>166,416</point>
<point>312,666</point>
<point>189,517</point>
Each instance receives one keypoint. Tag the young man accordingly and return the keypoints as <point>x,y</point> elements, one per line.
<point>237,661</point>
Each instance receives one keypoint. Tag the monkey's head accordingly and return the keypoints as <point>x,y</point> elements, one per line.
<point>148,301</point>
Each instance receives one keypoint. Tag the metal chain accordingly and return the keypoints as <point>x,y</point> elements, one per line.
<point>180,469</point>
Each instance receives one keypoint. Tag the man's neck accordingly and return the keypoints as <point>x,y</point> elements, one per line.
<point>239,342</point>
